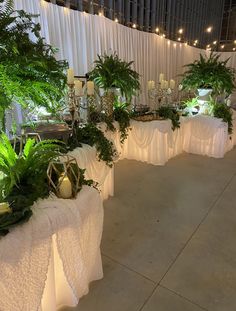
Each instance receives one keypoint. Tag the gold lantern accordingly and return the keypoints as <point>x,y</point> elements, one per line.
<point>64,177</point>
<point>108,100</point>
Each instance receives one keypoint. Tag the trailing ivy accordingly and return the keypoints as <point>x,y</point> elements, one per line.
<point>223,112</point>
<point>167,112</point>
<point>91,135</point>
<point>121,115</point>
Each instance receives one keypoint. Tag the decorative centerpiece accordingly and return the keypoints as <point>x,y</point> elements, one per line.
<point>111,74</point>
<point>64,177</point>
<point>209,76</point>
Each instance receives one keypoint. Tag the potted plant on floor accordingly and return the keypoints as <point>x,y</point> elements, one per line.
<point>113,75</point>
<point>209,75</point>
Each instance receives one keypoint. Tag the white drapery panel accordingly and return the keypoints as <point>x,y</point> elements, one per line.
<point>81,36</point>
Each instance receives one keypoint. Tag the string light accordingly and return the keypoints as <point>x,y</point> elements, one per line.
<point>134,26</point>
<point>116,20</point>
<point>168,42</point>
<point>208,45</point>
<point>196,41</point>
<point>181,30</point>
<point>100,14</point>
<point>209,29</point>
<point>234,41</point>
<point>214,42</point>
<point>222,46</point>
<point>157,29</point>
<point>174,45</point>
<point>179,39</point>
<point>234,49</point>
<point>186,43</point>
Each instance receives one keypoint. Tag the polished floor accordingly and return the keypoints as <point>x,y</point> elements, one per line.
<point>169,241</point>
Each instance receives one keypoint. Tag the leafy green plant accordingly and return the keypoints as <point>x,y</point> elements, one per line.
<point>91,135</point>
<point>222,111</point>
<point>29,71</point>
<point>121,115</point>
<point>111,72</point>
<point>23,178</point>
<point>167,112</point>
<point>209,73</point>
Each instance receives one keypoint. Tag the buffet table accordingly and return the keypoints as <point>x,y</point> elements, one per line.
<point>50,260</point>
<point>96,170</point>
<point>153,142</point>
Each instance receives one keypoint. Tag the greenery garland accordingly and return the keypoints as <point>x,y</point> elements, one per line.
<point>122,116</point>
<point>167,112</point>
<point>222,111</point>
<point>91,135</point>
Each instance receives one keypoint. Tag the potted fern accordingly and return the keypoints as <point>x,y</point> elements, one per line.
<point>209,75</point>
<point>113,75</point>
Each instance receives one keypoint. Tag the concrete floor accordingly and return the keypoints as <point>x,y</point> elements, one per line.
<point>169,241</point>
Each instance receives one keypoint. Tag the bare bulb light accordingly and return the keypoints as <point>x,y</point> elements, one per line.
<point>134,26</point>
<point>116,20</point>
<point>209,29</point>
<point>214,42</point>
<point>234,49</point>
<point>157,29</point>
<point>179,39</point>
<point>181,30</point>
<point>222,46</point>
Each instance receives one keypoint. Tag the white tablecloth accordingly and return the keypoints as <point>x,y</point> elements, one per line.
<point>153,142</point>
<point>50,260</point>
<point>97,170</point>
<point>207,135</point>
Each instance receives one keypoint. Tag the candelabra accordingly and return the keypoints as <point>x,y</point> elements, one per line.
<point>72,103</point>
<point>160,96</point>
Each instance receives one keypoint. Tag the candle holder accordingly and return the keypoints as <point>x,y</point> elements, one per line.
<point>65,169</point>
<point>72,103</point>
<point>91,104</point>
<point>160,96</point>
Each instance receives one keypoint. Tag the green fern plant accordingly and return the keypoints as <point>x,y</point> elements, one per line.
<point>209,72</point>
<point>29,71</point>
<point>23,178</point>
<point>111,72</point>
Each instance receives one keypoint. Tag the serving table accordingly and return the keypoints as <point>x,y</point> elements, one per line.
<point>153,142</point>
<point>50,260</point>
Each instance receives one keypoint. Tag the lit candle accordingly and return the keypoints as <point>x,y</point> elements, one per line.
<point>70,76</point>
<point>90,88</point>
<point>151,85</point>
<point>161,77</point>
<point>65,188</point>
<point>78,88</point>
<point>172,84</point>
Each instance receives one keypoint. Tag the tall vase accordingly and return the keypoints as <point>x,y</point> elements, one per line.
<point>107,101</point>
<point>203,98</point>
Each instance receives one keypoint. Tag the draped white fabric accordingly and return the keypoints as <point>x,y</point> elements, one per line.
<point>81,36</point>
<point>152,142</point>
<point>27,251</point>
<point>96,170</point>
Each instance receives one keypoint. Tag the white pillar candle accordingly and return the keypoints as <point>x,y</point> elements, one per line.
<point>70,76</point>
<point>166,84</point>
<point>172,84</point>
<point>161,77</point>
<point>90,88</point>
<point>78,88</point>
<point>65,188</point>
<point>151,85</point>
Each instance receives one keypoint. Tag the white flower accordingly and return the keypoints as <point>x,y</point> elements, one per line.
<point>180,87</point>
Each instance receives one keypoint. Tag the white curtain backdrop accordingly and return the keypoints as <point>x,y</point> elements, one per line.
<point>81,36</point>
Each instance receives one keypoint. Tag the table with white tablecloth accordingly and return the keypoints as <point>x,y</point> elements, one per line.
<point>153,142</point>
<point>98,171</point>
<point>50,260</point>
